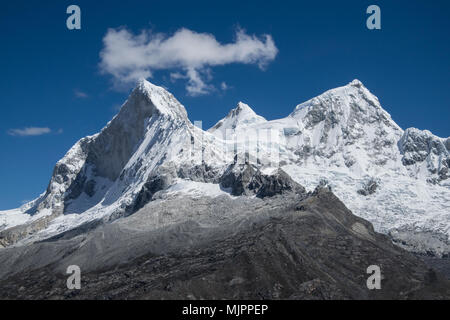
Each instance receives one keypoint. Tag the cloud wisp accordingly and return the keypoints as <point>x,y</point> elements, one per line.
<point>189,55</point>
<point>80,94</point>
<point>29,131</point>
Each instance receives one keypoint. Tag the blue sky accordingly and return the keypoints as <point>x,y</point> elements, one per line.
<point>52,78</point>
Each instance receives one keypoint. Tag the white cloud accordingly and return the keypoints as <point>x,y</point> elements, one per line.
<point>30,131</point>
<point>224,86</point>
<point>195,85</point>
<point>174,76</point>
<point>128,57</point>
<point>80,94</point>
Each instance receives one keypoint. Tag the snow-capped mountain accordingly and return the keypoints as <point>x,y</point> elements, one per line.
<point>105,174</point>
<point>239,118</point>
<point>396,179</point>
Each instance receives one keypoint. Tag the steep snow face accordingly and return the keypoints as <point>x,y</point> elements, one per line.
<point>343,128</point>
<point>130,144</point>
<point>346,127</point>
<point>238,119</point>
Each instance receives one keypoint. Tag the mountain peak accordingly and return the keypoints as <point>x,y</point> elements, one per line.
<point>156,99</point>
<point>238,117</point>
<point>243,106</point>
<point>353,99</point>
<point>356,83</point>
<point>145,86</point>
<point>147,89</point>
<point>241,110</point>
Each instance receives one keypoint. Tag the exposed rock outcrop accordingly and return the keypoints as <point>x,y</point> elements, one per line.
<point>418,146</point>
<point>246,179</point>
<point>369,187</point>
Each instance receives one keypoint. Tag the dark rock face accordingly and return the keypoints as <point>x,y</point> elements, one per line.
<point>369,187</point>
<point>442,265</point>
<point>90,188</point>
<point>200,173</point>
<point>277,183</point>
<point>248,180</point>
<point>238,178</point>
<point>154,184</point>
<point>76,188</point>
<point>80,185</point>
<point>283,248</point>
<point>417,146</point>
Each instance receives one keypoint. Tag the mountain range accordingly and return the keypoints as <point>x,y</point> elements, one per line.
<point>155,207</point>
<point>397,179</point>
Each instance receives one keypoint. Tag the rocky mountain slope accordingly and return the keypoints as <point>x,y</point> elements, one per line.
<point>289,245</point>
<point>397,179</point>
